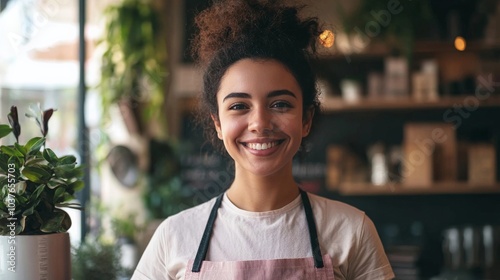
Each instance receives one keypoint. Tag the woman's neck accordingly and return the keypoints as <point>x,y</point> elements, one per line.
<point>262,193</point>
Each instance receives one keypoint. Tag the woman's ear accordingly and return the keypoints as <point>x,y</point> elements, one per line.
<point>217,126</point>
<point>307,121</point>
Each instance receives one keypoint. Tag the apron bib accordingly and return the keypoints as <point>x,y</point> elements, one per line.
<point>316,267</point>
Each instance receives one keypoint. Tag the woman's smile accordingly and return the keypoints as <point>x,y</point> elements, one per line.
<point>262,146</point>
<point>262,149</point>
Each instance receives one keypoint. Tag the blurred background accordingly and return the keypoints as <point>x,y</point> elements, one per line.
<point>409,131</point>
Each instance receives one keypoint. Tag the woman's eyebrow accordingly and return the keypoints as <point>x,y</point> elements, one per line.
<point>236,95</point>
<point>281,92</point>
<point>270,95</point>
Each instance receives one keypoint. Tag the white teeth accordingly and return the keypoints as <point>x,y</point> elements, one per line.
<point>261,146</point>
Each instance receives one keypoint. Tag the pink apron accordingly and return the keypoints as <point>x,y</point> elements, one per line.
<point>316,267</point>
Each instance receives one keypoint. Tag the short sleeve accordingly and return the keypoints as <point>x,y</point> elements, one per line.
<point>367,260</point>
<point>152,264</point>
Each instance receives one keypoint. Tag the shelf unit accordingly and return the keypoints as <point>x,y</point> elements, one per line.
<point>370,60</point>
<point>360,189</point>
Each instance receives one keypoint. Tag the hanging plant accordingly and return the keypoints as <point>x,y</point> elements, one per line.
<point>393,22</point>
<point>134,59</point>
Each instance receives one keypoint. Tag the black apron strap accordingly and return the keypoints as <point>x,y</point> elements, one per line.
<point>313,234</point>
<point>311,224</point>
<point>203,248</point>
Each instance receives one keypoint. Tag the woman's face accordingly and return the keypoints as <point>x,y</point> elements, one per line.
<point>260,118</point>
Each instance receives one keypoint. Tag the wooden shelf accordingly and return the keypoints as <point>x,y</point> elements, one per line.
<point>421,47</point>
<point>358,189</point>
<point>448,46</point>
<point>332,105</point>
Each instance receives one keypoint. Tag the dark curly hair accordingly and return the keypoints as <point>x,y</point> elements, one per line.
<point>231,30</point>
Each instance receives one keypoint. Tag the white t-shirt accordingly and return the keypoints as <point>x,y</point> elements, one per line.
<point>345,233</point>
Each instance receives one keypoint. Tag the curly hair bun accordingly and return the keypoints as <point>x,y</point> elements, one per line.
<point>228,21</point>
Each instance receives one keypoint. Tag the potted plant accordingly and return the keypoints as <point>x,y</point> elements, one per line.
<point>35,185</point>
<point>96,259</point>
<point>99,255</point>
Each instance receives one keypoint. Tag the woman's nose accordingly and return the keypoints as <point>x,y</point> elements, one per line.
<point>260,121</point>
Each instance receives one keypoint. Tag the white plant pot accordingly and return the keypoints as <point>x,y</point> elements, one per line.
<point>35,257</point>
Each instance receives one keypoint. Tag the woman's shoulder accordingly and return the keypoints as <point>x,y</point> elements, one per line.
<point>333,211</point>
<point>334,205</point>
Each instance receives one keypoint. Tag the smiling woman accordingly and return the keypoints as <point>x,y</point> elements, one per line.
<point>260,119</point>
<point>258,104</point>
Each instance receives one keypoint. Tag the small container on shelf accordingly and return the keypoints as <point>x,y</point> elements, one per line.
<point>396,78</point>
<point>430,154</point>
<point>334,166</point>
<point>351,90</point>
<point>482,164</point>
<point>375,86</point>
<point>425,82</point>
<point>379,174</point>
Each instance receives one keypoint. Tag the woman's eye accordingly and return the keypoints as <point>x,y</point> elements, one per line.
<point>281,105</point>
<point>237,107</point>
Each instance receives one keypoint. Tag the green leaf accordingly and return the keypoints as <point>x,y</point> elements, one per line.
<point>36,174</point>
<point>20,187</point>
<point>11,151</point>
<point>20,148</point>
<point>3,207</point>
<point>52,224</point>
<point>21,226</point>
<point>9,199</point>
<point>67,160</point>
<point>36,194</point>
<point>3,180</point>
<point>57,223</point>
<point>34,144</point>
<point>67,197</point>
<point>76,186</point>
<point>21,200</point>
<point>4,162</point>
<point>67,171</point>
<point>35,161</point>
<point>66,222</point>
<point>52,185</point>
<point>4,215</point>
<point>29,211</point>
<point>57,181</point>
<point>58,194</point>
<point>17,161</point>
<point>50,156</point>
<point>4,230</point>
<point>4,130</point>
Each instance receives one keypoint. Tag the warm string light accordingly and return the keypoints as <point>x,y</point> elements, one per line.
<point>460,43</point>
<point>327,38</point>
